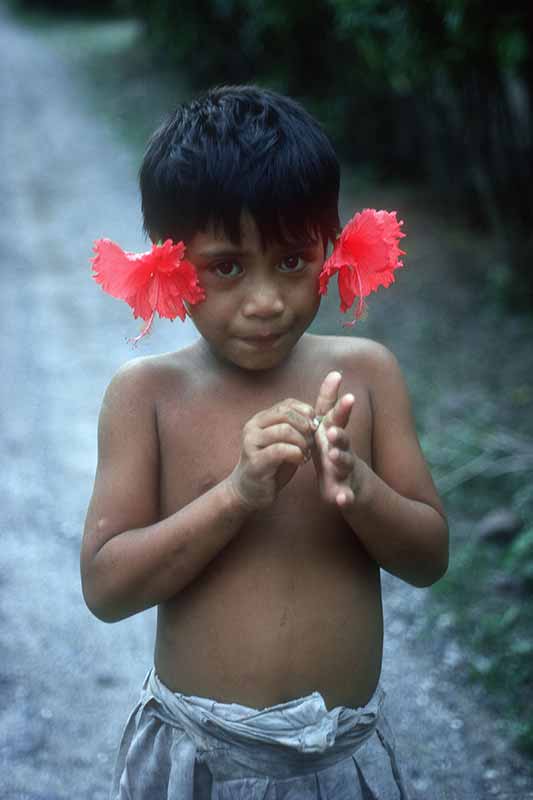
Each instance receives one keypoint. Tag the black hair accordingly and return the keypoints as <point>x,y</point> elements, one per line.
<point>240,148</point>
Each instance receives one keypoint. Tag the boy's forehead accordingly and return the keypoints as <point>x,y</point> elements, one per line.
<point>214,239</point>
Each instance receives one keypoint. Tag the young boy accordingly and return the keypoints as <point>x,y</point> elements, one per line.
<point>253,484</point>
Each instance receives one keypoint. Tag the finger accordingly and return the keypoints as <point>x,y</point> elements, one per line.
<point>338,437</point>
<point>328,393</point>
<point>305,409</point>
<point>281,409</point>
<point>340,414</point>
<point>342,461</point>
<point>300,417</point>
<point>270,458</point>
<point>283,432</point>
<point>344,498</point>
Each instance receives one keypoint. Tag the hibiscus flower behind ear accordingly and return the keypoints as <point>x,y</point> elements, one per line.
<point>365,256</point>
<point>156,281</point>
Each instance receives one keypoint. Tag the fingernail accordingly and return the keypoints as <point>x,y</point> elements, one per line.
<point>315,422</point>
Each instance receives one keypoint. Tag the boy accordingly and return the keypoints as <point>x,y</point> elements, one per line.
<point>252,485</point>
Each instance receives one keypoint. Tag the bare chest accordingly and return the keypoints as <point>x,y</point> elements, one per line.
<point>200,442</point>
<point>292,603</point>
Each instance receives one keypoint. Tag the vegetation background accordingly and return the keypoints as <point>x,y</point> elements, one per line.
<point>431,108</point>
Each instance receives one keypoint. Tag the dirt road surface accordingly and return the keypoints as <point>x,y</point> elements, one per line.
<point>68,681</point>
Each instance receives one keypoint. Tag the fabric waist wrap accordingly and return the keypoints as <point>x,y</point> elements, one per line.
<point>235,741</point>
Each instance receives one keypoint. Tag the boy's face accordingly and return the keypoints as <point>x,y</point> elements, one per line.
<point>259,302</point>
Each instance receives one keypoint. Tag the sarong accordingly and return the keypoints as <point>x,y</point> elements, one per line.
<point>183,747</point>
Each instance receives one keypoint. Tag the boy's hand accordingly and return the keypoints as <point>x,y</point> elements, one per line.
<point>336,464</point>
<point>275,442</point>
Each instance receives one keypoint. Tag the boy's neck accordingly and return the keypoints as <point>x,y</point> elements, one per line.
<point>225,369</point>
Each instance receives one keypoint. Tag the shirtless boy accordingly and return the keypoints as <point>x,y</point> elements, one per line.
<point>253,484</point>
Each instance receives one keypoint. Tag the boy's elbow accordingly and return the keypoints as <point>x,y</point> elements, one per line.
<point>97,605</point>
<point>442,566</point>
<point>434,568</point>
<point>104,613</point>
<point>442,558</point>
<point>426,578</point>
<point>108,602</point>
<point>99,602</point>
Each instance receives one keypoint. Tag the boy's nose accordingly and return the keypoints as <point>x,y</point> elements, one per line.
<point>264,301</point>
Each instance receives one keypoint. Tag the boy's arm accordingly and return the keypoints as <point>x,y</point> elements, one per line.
<point>130,559</point>
<point>393,508</point>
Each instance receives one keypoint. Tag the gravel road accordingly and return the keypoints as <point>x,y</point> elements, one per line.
<point>67,681</point>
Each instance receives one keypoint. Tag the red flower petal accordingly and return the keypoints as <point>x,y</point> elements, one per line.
<point>157,281</point>
<point>365,256</point>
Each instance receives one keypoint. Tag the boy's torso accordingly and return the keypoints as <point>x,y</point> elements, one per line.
<point>293,603</point>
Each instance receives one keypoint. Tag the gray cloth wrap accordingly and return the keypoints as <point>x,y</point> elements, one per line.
<point>298,750</point>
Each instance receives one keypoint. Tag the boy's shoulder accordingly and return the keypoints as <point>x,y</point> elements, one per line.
<point>353,352</point>
<point>143,378</point>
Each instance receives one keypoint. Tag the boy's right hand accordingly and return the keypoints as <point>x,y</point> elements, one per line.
<point>275,442</point>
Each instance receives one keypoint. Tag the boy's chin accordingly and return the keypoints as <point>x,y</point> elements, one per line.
<point>252,360</point>
<point>257,364</point>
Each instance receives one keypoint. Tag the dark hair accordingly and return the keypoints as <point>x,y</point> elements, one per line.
<point>240,148</point>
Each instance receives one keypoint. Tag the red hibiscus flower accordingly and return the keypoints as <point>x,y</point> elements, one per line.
<point>365,255</point>
<point>159,280</point>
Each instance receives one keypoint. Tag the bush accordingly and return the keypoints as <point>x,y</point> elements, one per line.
<point>63,7</point>
<point>438,91</point>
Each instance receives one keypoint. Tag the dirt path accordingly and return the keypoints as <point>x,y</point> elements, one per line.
<point>67,680</point>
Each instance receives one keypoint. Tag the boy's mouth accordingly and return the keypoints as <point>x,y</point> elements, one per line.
<point>263,339</point>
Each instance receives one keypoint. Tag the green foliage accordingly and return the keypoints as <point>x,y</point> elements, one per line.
<point>230,41</point>
<point>519,560</point>
<point>436,91</point>
<point>477,455</point>
<point>76,7</point>
<point>478,465</point>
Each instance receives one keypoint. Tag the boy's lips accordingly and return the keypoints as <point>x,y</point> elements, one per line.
<point>263,339</point>
<point>269,335</point>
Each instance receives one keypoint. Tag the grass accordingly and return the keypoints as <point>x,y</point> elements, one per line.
<point>468,362</point>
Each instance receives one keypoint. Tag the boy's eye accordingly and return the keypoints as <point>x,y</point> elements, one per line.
<point>292,264</point>
<point>227,269</point>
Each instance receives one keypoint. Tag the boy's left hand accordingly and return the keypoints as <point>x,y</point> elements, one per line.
<point>338,467</point>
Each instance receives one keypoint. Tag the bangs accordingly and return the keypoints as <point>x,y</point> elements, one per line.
<point>282,210</point>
